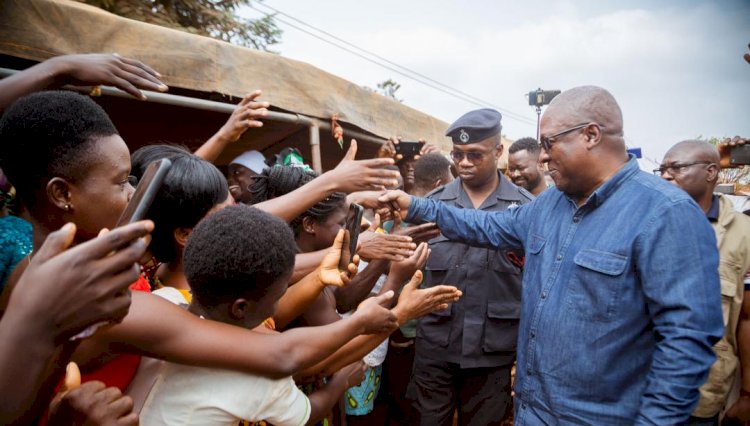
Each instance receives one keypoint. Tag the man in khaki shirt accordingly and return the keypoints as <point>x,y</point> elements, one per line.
<point>694,166</point>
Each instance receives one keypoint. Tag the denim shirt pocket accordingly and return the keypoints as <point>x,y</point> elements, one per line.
<point>596,284</point>
<point>536,244</point>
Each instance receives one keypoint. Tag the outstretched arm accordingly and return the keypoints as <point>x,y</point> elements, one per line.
<point>155,327</point>
<point>126,74</point>
<point>348,176</point>
<point>246,115</point>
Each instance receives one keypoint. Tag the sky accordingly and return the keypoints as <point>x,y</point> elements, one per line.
<point>675,67</point>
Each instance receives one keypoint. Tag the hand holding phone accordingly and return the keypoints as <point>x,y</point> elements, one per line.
<point>145,192</point>
<point>409,149</point>
<point>352,229</point>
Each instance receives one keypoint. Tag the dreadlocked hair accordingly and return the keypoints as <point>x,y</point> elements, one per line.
<point>280,180</point>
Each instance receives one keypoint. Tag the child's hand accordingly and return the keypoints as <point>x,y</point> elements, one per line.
<point>403,270</point>
<point>414,303</point>
<point>329,272</point>
<point>374,317</point>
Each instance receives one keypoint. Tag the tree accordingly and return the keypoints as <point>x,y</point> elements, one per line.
<point>388,88</point>
<point>212,18</point>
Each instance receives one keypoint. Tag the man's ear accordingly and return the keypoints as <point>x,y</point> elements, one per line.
<point>437,183</point>
<point>181,235</point>
<point>309,225</point>
<point>593,135</point>
<point>713,172</point>
<point>499,149</point>
<point>240,308</point>
<point>59,194</point>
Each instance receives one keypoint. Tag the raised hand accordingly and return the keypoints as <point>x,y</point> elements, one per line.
<point>414,302</point>
<point>375,245</point>
<point>64,291</point>
<point>388,149</point>
<point>128,75</point>
<point>329,271</point>
<point>419,233</point>
<point>374,317</point>
<point>428,148</point>
<point>725,148</point>
<point>361,175</point>
<point>396,201</point>
<point>405,269</point>
<point>247,114</point>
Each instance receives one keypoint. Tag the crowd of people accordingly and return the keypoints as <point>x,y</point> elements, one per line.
<point>574,288</point>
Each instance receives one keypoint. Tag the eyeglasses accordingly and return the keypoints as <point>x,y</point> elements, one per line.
<point>473,157</point>
<point>547,141</point>
<point>677,168</point>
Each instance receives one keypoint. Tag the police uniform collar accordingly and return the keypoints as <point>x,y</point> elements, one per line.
<point>505,190</point>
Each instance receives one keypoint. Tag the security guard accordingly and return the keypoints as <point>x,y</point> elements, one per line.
<point>464,354</point>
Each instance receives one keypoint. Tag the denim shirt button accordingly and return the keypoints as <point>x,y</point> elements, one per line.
<point>532,334</point>
<point>559,257</point>
<point>544,295</point>
<point>576,219</point>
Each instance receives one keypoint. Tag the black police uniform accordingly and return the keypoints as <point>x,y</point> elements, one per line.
<point>464,354</point>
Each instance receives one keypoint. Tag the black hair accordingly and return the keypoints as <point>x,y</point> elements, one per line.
<point>429,168</point>
<point>50,134</point>
<point>191,188</point>
<point>238,252</point>
<point>145,155</point>
<point>279,180</point>
<point>528,144</point>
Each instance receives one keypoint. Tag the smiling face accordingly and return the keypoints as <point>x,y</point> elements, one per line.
<point>567,158</point>
<point>239,179</point>
<point>524,169</point>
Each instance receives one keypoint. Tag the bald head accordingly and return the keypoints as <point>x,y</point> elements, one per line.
<point>588,104</point>
<point>694,150</point>
<point>693,166</point>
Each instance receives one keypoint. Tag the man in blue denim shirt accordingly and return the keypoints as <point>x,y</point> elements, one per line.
<point>621,300</point>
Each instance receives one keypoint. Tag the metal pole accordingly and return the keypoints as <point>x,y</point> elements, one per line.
<point>227,108</point>
<point>315,148</point>
<point>538,118</point>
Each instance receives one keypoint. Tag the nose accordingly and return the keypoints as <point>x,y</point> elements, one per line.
<point>465,161</point>
<point>515,173</point>
<point>666,176</point>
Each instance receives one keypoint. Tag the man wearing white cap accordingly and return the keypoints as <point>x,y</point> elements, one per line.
<point>242,171</point>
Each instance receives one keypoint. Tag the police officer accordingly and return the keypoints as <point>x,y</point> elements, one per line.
<point>464,354</point>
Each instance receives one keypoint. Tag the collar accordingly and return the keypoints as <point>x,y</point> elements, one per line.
<point>713,212</point>
<point>505,190</point>
<point>609,187</point>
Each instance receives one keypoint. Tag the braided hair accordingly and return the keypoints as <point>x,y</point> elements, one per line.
<point>280,180</point>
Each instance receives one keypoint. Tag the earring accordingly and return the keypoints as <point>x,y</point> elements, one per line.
<point>67,207</point>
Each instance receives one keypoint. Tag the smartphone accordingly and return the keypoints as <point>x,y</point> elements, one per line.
<point>352,228</point>
<point>145,192</point>
<point>740,155</point>
<point>409,149</point>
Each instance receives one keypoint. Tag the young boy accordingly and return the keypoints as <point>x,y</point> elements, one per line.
<point>238,262</point>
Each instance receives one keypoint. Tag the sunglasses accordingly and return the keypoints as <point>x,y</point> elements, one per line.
<point>547,141</point>
<point>473,157</point>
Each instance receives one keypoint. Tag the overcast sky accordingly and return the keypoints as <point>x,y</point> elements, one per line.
<point>675,67</point>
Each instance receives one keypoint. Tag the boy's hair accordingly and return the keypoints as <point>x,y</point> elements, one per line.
<point>280,180</point>
<point>429,168</point>
<point>50,134</point>
<point>238,252</point>
<point>528,144</point>
<point>191,188</point>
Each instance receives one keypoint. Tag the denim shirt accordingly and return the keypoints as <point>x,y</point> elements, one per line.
<point>621,300</point>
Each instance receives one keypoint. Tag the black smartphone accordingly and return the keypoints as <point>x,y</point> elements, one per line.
<point>352,228</point>
<point>409,149</point>
<point>740,155</point>
<point>145,192</point>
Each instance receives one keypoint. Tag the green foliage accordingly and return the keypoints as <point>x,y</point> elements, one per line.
<point>389,88</point>
<point>212,18</point>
